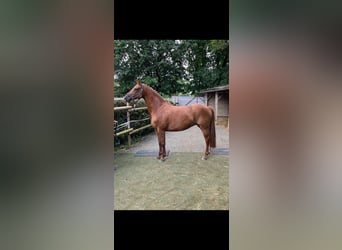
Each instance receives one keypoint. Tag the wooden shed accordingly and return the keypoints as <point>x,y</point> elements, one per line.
<point>218,99</point>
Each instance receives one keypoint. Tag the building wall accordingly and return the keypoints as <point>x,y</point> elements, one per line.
<point>186,100</point>
<point>223,106</point>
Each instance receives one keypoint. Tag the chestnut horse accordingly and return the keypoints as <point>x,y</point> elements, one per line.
<point>166,117</point>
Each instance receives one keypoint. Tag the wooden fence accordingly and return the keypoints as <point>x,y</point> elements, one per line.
<point>129,131</point>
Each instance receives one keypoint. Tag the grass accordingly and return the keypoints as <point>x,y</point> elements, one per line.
<point>182,182</point>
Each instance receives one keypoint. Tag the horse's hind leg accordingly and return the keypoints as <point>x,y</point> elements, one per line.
<point>205,132</point>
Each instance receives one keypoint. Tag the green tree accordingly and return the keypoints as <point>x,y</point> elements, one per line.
<point>207,63</point>
<point>170,66</point>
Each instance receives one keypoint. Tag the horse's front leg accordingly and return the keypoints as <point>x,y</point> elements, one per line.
<point>162,145</point>
<point>161,142</point>
<point>158,136</point>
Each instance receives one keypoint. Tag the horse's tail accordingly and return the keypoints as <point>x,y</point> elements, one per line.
<point>212,138</point>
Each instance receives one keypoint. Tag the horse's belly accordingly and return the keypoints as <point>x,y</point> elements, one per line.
<point>173,128</point>
<point>179,125</point>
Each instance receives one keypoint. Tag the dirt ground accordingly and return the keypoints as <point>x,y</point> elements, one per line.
<point>183,182</point>
<point>190,140</point>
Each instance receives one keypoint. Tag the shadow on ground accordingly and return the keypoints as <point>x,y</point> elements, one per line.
<point>182,182</point>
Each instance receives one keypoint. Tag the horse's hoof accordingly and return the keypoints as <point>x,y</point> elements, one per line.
<point>204,158</point>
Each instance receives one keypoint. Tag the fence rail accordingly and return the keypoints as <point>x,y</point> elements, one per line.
<point>124,132</point>
<point>129,131</point>
<point>139,129</point>
<point>122,108</point>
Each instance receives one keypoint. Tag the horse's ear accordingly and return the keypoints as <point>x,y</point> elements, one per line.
<point>138,82</point>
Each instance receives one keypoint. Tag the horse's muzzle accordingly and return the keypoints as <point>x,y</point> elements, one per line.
<point>128,98</point>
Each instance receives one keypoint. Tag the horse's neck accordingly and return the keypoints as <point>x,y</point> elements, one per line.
<point>152,99</point>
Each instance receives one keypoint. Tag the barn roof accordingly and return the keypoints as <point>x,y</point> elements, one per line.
<point>215,89</point>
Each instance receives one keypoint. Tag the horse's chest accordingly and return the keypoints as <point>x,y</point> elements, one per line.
<point>154,122</point>
<point>158,120</point>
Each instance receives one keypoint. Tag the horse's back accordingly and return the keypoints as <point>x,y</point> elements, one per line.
<point>201,110</point>
<point>200,114</point>
<point>194,110</point>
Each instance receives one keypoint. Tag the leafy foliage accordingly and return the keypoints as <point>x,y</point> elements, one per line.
<point>170,66</point>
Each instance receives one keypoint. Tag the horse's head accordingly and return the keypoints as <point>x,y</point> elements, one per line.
<point>135,93</point>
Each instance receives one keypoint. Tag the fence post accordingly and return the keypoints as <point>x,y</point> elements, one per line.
<point>216,106</point>
<point>128,126</point>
